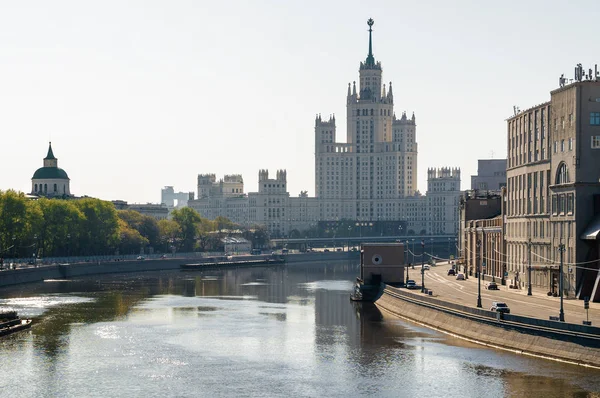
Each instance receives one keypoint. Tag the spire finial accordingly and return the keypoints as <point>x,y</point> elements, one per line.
<point>370,58</point>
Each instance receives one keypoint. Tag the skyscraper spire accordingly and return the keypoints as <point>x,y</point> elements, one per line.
<point>370,59</point>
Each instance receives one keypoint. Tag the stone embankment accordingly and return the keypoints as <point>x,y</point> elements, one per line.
<point>570,343</point>
<point>60,271</point>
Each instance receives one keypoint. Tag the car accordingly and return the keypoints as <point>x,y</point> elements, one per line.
<point>410,284</point>
<point>460,277</point>
<point>140,258</point>
<point>326,250</point>
<point>163,256</point>
<point>499,306</point>
<point>338,250</point>
<point>451,271</point>
<point>426,267</point>
<point>492,286</point>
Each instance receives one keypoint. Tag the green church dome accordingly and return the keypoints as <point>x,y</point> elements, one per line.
<point>46,173</point>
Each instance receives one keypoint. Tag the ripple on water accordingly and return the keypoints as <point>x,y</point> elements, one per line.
<point>333,285</point>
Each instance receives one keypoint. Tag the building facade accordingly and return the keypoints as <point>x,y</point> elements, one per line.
<point>491,175</point>
<point>363,178</point>
<point>554,190</point>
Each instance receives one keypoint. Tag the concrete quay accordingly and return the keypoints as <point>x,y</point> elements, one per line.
<point>452,308</point>
<point>67,270</point>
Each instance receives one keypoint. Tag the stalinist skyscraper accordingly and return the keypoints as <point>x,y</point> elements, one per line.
<point>363,178</point>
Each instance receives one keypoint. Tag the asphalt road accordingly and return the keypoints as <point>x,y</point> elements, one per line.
<point>538,305</point>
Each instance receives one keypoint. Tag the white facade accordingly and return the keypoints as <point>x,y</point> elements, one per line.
<point>372,177</point>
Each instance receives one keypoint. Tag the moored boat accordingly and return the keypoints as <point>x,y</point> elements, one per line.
<point>10,323</point>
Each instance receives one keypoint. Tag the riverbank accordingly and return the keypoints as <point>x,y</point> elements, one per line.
<point>61,271</point>
<point>570,343</point>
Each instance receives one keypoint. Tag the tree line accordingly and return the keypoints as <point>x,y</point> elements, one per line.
<point>88,226</point>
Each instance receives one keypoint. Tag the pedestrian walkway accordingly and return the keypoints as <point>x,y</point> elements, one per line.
<point>538,305</point>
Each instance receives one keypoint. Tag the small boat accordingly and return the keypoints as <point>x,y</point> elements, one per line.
<point>10,323</point>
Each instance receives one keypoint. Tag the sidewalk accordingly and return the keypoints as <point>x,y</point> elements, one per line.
<point>538,305</point>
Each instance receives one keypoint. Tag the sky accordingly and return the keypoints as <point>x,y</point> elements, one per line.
<point>138,95</point>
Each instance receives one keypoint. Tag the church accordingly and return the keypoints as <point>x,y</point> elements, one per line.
<point>50,180</point>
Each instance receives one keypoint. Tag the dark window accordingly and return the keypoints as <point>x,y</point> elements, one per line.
<point>595,118</point>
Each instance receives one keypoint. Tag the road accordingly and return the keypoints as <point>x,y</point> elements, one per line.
<point>538,305</point>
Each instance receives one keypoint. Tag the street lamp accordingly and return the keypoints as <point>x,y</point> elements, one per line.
<point>68,243</point>
<point>413,253</point>
<point>561,314</point>
<point>405,262</point>
<point>35,250</point>
<point>423,266</point>
<point>529,268</point>
<point>494,252</point>
<point>478,269</point>
<point>14,251</point>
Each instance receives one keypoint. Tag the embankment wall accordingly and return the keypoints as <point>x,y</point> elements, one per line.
<point>533,338</point>
<point>59,271</point>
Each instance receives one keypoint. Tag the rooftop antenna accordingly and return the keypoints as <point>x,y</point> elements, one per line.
<point>492,154</point>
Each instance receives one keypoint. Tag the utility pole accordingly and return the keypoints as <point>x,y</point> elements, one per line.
<point>478,264</point>
<point>423,266</point>
<point>561,315</point>
<point>529,269</point>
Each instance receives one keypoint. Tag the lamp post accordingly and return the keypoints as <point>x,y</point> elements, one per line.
<point>494,253</point>
<point>529,268</point>
<point>413,252</point>
<point>35,250</point>
<point>68,243</point>
<point>14,252</point>
<point>423,266</point>
<point>405,262</point>
<point>561,314</point>
<point>478,269</point>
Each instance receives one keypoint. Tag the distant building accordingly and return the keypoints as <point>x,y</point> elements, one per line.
<point>50,180</point>
<point>157,211</point>
<point>236,245</point>
<point>491,175</point>
<point>174,200</point>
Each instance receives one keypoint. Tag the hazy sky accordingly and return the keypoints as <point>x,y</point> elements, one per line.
<point>136,95</point>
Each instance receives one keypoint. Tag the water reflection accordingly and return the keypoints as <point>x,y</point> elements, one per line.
<point>279,331</point>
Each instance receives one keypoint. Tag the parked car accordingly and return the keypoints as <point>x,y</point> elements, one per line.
<point>451,271</point>
<point>140,258</point>
<point>410,284</point>
<point>326,250</point>
<point>460,277</point>
<point>492,286</point>
<point>426,267</point>
<point>500,307</point>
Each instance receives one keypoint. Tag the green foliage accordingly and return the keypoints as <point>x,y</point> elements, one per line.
<point>187,218</point>
<point>146,226</point>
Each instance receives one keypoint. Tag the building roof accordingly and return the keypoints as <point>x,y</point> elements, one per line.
<point>46,173</point>
<point>50,155</point>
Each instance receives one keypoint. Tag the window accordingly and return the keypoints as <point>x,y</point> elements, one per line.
<point>570,144</point>
<point>595,118</point>
<point>570,119</point>
<point>562,145</point>
<point>570,201</point>
<point>554,209</point>
<point>562,175</point>
<point>595,141</point>
<point>555,146</point>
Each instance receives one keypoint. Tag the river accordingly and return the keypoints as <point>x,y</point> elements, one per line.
<point>284,331</point>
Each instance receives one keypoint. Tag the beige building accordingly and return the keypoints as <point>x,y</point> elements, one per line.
<point>554,190</point>
<point>50,180</point>
<point>363,178</point>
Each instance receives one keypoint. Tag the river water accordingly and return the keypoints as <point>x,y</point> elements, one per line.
<point>263,332</point>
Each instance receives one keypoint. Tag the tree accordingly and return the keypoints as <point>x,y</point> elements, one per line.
<point>258,235</point>
<point>100,226</point>
<point>61,227</point>
<point>147,226</point>
<point>13,219</point>
<point>169,232</point>
<point>130,240</point>
<point>187,218</point>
